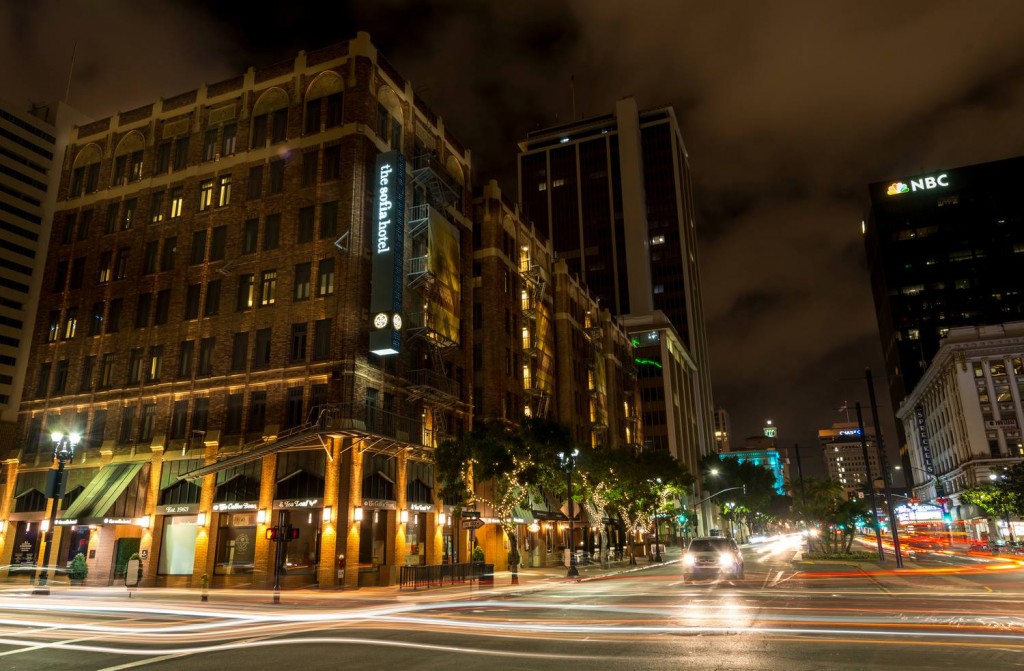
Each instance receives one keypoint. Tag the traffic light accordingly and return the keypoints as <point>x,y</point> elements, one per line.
<point>947,518</point>
<point>283,534</point>
<point>273,533</point>
<point>744,490</point>
<point>293,533</point>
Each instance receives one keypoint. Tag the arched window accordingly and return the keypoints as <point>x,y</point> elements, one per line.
<point>324,103</point>
<point>128,159</point>
<point>85,171</point>
<point>389,117</point>
<point>270,118</point>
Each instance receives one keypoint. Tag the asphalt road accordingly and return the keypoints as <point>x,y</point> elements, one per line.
<point>947,612</point>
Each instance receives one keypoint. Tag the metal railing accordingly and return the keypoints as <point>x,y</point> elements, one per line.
<point>438,575</point>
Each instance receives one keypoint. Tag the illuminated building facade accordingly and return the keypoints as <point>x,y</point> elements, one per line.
<point>211,304</point>
<point>944,249</point>
<point>963,419</point>
<point>844,457</point>
<point>723,430</point>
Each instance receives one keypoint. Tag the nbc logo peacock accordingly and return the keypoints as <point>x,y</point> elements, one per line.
<point>923,184</point>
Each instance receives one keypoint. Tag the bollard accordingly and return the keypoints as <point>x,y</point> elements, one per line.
<point>205,583</point>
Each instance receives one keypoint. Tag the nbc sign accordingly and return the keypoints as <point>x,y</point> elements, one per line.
<point>923,184</point>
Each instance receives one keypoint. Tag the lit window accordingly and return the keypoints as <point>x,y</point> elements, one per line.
<point>658,240</point>
<point>914,334</point>
<point>205,194</point>
<point>557,182</point>
<point>224,191</point>
<point>177,198</point>
<point>659,288</point>
<point>543,186</point>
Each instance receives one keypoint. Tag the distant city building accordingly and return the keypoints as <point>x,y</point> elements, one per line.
<point>944,249</point>
<point>32,145</point>
<point>963,419</point>
<point>723,430</point>
<point>843,454</point>
<point>763,451</point>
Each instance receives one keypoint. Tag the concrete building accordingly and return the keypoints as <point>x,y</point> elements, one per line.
<point>255,310</point>
<point>32,146</point>
<point>963,419</point>
<point>843,455</point>
<point>723,430</point>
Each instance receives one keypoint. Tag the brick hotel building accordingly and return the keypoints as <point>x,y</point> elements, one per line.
<point>219,319</point>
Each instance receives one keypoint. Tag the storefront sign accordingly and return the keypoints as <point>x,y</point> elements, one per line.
<point>422,507</point>
<point>234,507</point>
<point>66,523</point>
<point>387,277</point>
<point>184,509</point>
<point>297,503</point>
<point>1000,424</point>
<point>380,504</point>
<point>118,520</point>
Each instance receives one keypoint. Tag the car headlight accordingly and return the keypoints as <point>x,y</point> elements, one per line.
<point>689,559</point>
<point>726,560</point>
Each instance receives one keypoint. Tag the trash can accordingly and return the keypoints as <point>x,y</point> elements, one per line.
<point>487,575</point>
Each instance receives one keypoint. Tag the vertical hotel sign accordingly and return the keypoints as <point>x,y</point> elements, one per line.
<point>388,251</point>
<point>926,447</point>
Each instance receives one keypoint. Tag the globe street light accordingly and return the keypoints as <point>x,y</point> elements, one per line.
<point>568,462</point>
<point>63,451</point>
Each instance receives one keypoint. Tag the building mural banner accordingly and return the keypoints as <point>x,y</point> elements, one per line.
<point>444,264</point>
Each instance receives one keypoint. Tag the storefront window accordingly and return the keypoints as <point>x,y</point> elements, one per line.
<point>76,539</point>
<point>415,537</point>
<point>178,545</point>
<point>236,543</point>
<point>303,554</point>
<point>26,544</point>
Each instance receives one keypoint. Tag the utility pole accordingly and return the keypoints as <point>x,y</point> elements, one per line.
<point>883,463</point>
<point>871,482</point>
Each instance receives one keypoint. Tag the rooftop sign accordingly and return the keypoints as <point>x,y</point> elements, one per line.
<point>923,184</point>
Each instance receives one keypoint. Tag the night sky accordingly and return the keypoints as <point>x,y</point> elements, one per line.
<point>788,109</point>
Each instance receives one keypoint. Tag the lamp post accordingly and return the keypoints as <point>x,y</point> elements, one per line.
<point>63,451</point>
<point>568,463</point>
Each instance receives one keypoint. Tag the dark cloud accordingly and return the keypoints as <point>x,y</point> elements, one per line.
<point>788,110</point>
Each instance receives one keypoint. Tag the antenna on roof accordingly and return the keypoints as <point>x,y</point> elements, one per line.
<point>71,70</point>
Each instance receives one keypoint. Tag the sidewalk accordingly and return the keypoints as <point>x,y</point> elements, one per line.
<point>529,579</point>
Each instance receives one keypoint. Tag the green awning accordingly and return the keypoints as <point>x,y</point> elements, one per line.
<point>102,491</point>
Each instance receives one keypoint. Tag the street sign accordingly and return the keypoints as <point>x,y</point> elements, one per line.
<point>472,524</point>
<point>471,514</point>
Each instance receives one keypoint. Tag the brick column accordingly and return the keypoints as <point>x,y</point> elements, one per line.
<point>401,547</point>
<point>265,549</point>
<point>327,572</point>
<point>150,565</point>
<point>204,557</point>
<point>355,500</point>
<point>6,505</point>
<point>435,531</point>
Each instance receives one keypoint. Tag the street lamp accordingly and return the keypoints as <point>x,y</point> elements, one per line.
<point>1000,479</point>
<point>63,451</point>
<point>568,462</point>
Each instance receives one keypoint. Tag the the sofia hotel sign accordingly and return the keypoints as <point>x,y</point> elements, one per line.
<point>387,246</point>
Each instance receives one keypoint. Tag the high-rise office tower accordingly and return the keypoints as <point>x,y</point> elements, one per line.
<point>32,144</point>
<point>945,249</point>
<point>613,195</point>
<point>843,454</point>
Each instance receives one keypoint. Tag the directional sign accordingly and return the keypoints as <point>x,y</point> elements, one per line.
<point>472,524</point>
<point>471,513</point>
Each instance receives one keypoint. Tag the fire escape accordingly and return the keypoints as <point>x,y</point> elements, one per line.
<point>430,377</point>
<point>535,358</point>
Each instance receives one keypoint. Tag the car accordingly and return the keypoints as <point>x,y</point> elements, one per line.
<point>712,556</point>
